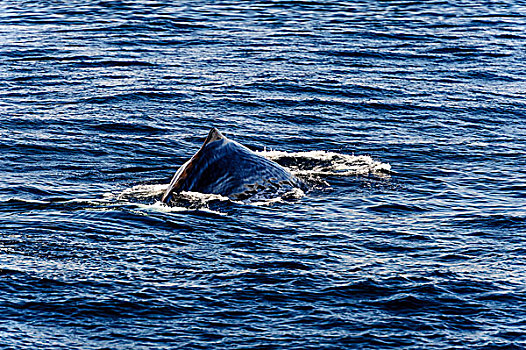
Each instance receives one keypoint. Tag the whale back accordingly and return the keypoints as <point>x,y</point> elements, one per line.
<point>225,167</point>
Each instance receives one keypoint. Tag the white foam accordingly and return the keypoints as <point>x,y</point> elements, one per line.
<point>295,193</point>
<point>312,164</point>
<point>326,163</point>
<point>163,208</point>
<point>142,192</point>
<point>202,197</point>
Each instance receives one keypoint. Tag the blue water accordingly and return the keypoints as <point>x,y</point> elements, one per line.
<point>102,101</point>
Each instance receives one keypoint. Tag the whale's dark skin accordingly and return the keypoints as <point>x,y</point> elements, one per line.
<point>227,168</point>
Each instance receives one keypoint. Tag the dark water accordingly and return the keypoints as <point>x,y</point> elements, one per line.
<point>101,101</point>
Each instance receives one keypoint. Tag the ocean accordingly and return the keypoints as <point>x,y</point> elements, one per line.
<point>406,118</point>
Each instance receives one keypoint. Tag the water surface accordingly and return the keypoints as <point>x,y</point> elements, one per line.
<point>101,101</point>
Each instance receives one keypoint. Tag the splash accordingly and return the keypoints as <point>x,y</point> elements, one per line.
<point>141,193</point>
<point>311,166</point>
<point>324,163</point>
<point>147,197</point>
<point>295,193</point>
<point>163,208</point>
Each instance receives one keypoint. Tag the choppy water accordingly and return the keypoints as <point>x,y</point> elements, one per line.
<point>101,101</point>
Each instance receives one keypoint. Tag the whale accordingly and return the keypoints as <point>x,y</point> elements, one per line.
<point>225,167</point>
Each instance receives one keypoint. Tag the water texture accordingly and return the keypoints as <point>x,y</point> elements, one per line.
<point>101,101</point>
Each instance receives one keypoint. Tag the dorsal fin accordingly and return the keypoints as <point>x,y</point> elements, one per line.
<point>181,175</point>
<point>213,135</point>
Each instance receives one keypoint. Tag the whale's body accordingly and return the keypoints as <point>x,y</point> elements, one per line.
<point>225,167</point>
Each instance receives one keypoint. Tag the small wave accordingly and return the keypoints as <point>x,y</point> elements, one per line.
<point>21,204</point>
<point>126,127</point>
<point>134,97</point>
<point>499,221</point>
<point>396,208</point>
<point>114,63</point>
<point>24,204</point>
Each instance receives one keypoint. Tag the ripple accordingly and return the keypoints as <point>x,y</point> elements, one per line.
<point>406,119</point>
